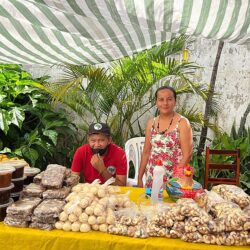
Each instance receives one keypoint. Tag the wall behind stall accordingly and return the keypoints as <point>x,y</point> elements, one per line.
<point>232,85</point>
<point>233,78</point>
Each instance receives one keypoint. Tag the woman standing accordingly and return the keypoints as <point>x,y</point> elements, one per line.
<point>168,138</point>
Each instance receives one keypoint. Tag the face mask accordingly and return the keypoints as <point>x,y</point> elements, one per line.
<point>100,151</point>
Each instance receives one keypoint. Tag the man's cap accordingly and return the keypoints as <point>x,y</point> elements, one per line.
<point>99,128</point>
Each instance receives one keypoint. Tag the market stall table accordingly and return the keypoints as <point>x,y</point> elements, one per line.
<point>32,239</point>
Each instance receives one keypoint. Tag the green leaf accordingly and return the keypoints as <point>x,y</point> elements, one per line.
<point>31,137</point>
<point>5,150</point>
<point>25,74</point>
<point>2,97</point>
<point>18,116</point>
<point>52,135</point>
<point>30,154</point>
<point>54,124</point>
<point>33,101</point>
<point>7,104</point>
<point>30,83</point>
<point>247,184</point>
<point>5,120</point>
<point>18,152</point>
<point>11,75</point>
<point>2,78</point>
<point>10,66</point>
<point>25,89</point>
<point>46,146</point>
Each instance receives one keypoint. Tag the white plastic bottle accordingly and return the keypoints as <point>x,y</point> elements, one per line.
<point>157,185</point>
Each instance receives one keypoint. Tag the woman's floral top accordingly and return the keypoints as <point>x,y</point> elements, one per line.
<point>165,147</point>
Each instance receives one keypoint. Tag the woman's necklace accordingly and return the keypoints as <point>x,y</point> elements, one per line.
<point>164,131</point>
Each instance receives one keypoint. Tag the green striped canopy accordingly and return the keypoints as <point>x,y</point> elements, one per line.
<point>94,31</point>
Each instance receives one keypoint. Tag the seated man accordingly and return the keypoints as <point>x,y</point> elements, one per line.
<point>100,158</point>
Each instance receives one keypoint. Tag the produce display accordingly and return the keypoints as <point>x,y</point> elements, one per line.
<point>55,199</point>
<point>91,207</point>
<point>210,219</point>
<point>219,222</point>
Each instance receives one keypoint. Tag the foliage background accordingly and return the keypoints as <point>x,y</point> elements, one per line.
<point>30,127</point>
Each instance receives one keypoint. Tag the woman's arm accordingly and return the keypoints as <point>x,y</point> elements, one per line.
<point>186,139</point>
<point>145,153</point>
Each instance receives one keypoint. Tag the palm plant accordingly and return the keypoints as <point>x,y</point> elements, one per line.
<point>124,93</point>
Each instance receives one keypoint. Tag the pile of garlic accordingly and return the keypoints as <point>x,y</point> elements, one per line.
<point>91,207</point>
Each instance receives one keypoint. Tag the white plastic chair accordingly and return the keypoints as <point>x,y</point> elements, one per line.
<point>133,150</point>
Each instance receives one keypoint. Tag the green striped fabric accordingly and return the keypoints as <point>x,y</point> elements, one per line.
<point>50,32</point>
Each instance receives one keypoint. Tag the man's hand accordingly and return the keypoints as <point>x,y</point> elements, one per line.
<point>97,162</point>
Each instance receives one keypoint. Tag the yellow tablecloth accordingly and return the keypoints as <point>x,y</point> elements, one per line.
<point>32,239</point>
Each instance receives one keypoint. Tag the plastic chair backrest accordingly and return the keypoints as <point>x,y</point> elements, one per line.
<point>133,150</point>
<point>234,166</point>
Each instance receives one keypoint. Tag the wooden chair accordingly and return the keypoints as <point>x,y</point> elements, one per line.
<point>235,167</point>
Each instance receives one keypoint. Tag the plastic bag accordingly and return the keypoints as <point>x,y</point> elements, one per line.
<point>43,226</point>
<point>61,193</point>
<point>23,207</point>
<point>33,190</point>
<point>129,222</point>
<point>71,180</point>
<point>11,221</point>
<point>51,207</point>
<point>233,193</point>
<point>38,178</point>
<point>246,210</point>
<point>53,176</point>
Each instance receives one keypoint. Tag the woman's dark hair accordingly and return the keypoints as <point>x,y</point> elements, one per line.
<point>166,87</point>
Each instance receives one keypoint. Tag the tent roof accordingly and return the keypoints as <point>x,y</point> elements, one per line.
<point>94,31</point>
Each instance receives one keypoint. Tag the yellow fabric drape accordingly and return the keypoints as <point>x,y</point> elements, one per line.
<point>12,238</point>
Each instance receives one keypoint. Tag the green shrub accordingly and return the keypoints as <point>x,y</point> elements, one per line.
<point>29,126</point>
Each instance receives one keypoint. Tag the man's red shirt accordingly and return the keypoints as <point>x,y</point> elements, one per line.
<point>114,160</point>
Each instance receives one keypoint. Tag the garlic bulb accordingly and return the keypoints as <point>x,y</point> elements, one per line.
<point>75,227</point>
<point>72,218</point>
<point>66,226</point>
<point>77,211</point>
<point>103,227</point>
<point>98,210</point>
<point>59,225</point>
<point>63,216</point>
<point>89,210</point>
<point>100,219</point>
<point>93,190</point>
<point>84,203</point>
<point>95,227</point>
<point>77,188</point>
<point>83,218</point>
<point>101,192</point>
<point>84,228</point>
<point>92,220</point>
